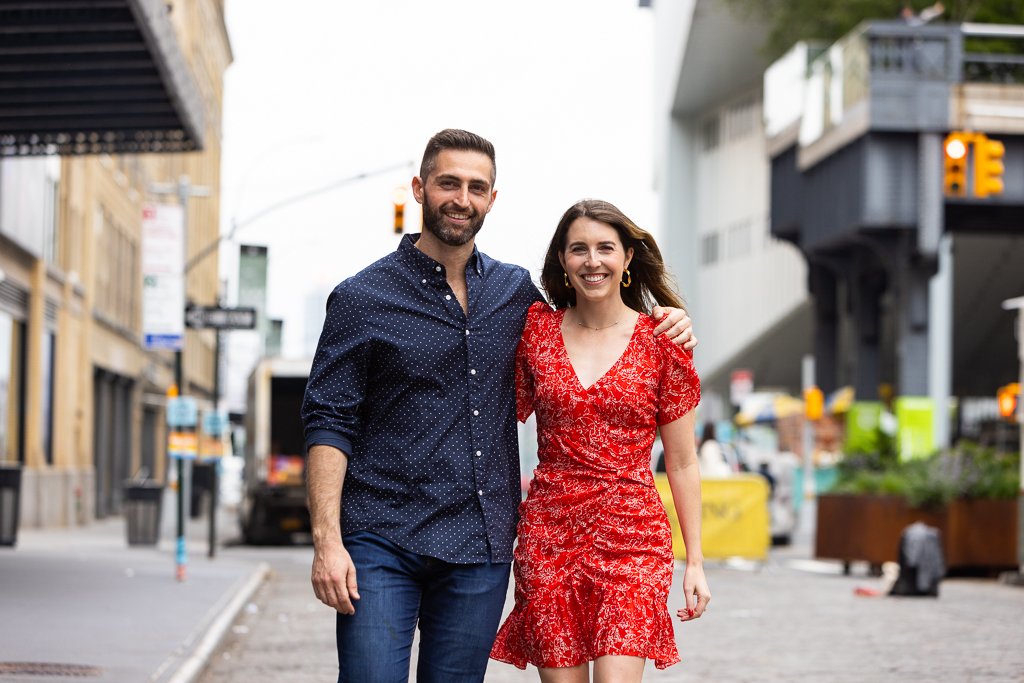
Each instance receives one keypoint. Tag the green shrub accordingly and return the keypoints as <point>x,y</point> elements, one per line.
<point>967,471</point>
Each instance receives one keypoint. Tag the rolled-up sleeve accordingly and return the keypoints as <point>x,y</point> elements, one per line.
<point>337,380</point>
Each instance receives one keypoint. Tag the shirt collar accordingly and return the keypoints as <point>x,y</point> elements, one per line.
<point>415,258</point>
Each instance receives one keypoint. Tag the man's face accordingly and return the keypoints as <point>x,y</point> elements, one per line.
<point>456,196</point>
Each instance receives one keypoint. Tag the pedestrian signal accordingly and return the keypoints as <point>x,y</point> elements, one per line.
<point>1007,397</point>
<point>988,166</point>
<point>954,181</point>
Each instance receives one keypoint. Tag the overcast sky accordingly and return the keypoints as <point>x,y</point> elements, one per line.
<point>322,90</point>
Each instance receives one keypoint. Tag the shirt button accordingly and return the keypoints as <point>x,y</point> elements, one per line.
<point>437,268</point>
<point>423,282</point>
<point>447,297</point>
<point>480,492</point>
<point>473,371</point>
<point>476,412</point>
<point>479,453</point>
<point>467,333</point>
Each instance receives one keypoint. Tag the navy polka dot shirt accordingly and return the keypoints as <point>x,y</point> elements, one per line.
<point>421,398</point>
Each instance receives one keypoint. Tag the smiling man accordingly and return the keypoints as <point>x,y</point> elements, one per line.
<point>410,407</point>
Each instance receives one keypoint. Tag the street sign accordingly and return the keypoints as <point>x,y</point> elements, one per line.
<point>163,279</point>
<point>182,445</point>
<point>217,318</point>
<point>214,423</point>
<point>182,412</point>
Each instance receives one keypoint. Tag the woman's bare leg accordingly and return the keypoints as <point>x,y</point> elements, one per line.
<point>566,674</point>
<point>618,669</point>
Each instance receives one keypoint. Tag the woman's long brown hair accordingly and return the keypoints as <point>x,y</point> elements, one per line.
<point>651,284</point>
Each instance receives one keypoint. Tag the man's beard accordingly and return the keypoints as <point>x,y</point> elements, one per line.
<point>436,223</point>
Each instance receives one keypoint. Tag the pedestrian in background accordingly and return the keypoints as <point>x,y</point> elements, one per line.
<point>712,458</point>
<point>594,560</point>
<point>410,407</point>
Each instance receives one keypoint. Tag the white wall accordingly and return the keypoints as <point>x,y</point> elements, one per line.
<point>28,202</point>
<point>718,189</point>
<point>755,280</point>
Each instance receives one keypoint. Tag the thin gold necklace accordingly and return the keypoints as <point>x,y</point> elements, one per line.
<point>588,327</point>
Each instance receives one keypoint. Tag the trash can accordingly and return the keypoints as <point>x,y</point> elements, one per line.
<point>142,505</point>
<point>10,499</point>
<point>202,486</point>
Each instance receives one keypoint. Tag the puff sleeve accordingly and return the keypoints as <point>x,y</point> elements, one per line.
<point>678,385</point>
<point>523,364</point>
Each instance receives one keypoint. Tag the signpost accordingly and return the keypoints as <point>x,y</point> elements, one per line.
<point>218,318</point>
<point>210,448</point>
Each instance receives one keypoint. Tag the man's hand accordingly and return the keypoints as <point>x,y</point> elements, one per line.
<point>334,578</point>
<point>676,324</point>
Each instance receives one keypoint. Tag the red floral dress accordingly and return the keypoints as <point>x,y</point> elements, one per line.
<point>593,562</point>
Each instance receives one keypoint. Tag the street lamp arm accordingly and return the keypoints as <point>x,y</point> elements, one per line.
<point>237,225</point>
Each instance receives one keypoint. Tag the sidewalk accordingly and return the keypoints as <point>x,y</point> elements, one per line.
<point>85,602</point>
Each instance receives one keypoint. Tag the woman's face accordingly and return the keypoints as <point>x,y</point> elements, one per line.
<point>594,259</point>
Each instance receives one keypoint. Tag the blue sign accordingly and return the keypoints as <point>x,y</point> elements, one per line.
<point>214,423</point>
<point>182,412</point>
<point>165,342</point>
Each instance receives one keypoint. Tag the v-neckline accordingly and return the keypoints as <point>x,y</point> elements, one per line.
<point>610,370</point>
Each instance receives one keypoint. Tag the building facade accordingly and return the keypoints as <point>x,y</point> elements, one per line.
<point>827,227</point>
<point>746,290</point>
<point>82,401</point>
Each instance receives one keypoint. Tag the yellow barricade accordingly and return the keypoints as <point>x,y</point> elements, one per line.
<point>734,517</point>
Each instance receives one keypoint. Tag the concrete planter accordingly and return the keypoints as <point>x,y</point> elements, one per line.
<point>976,534</point>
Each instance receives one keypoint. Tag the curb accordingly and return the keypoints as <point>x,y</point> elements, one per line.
<point>190,669</point>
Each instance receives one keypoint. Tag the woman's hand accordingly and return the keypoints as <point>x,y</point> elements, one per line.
<point>696,593</point>
<point>676,324</point>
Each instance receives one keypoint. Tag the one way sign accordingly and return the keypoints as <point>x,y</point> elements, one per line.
<point>216,318</point>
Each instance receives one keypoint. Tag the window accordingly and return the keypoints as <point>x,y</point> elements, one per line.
<point>739,239</point>
<point>6,381</point>
<point>709,249</point>
<point>46,414</point>
<point>740,119</point>
<point>709,134</point>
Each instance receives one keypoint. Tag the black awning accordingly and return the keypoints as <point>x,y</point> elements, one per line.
<point>94,76</point>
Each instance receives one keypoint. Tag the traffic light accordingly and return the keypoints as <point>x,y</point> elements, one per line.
<point>954,180</point>
<point>399,218</point>
<point>1007,398</point>
<point>988,166</point>
<point>399,199</point>
<point>814,403</point>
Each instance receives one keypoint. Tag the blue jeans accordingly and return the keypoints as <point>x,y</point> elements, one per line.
<point>458,607</point>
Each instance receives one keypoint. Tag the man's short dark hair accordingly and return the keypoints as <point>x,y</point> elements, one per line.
<point>453,138</point>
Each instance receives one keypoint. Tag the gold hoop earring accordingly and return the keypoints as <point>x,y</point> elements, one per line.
<point>629,279</point>
<point>565,276</point>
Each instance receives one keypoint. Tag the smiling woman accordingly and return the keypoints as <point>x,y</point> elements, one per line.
<point>594,561</point>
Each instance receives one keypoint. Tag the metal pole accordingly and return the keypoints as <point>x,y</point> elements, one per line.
<point>809,509</point>
<point>935,244</point>
<point>1017,304</point>
<point>184,190</point>
<point>181,554</point>
<point>215,466</point>
<point>807,381</point>
<point>1020,426</point>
